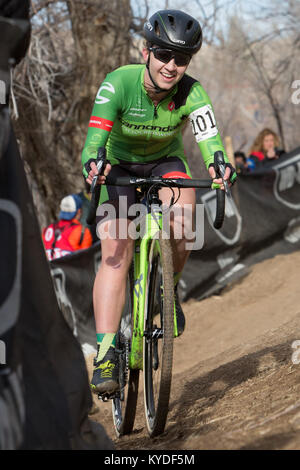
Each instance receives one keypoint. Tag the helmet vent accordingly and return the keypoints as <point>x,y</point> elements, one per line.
<point>156,28</point>
<point>189,25</point>
<point>172,21</point>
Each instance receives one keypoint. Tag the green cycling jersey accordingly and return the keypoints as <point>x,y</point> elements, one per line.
<point>126,121</point>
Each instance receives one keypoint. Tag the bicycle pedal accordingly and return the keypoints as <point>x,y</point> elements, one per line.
<point>107,396</point>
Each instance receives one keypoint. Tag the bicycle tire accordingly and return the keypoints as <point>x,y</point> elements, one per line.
<point>158,352</point>
<point>124,406</point>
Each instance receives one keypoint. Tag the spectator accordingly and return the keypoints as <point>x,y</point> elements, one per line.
<point>265,148</point>
<point>68,234</point>
<point>241,163</point>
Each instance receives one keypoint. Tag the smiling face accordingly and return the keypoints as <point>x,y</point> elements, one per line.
<point>166,76</point>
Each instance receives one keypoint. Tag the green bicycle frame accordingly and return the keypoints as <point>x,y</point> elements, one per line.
<point>154,224</point>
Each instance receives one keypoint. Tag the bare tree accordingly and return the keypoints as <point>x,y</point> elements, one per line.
<point>272,76</point>
<point>248,73</point>
<point>281,41</point>
<point>74,44</point>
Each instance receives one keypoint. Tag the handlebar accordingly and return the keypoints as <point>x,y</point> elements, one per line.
<point>150,180</point>
<point>219,164</point>
<point>96,188</point>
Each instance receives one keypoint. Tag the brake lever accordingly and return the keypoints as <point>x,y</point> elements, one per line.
<point>222,170</point>
<point>226,187</point>
<point>95,178</point>
<point>101,157</point>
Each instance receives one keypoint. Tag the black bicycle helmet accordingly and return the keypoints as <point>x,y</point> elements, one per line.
<point>174,29</point>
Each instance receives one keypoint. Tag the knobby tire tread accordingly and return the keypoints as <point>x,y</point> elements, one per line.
<point>159,423</point>
<point>132,384</point>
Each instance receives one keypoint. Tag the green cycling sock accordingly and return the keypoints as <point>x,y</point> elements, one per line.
<point>105,341</point>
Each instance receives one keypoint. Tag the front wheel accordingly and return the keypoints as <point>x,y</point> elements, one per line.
<point>124,404</point>
<point>158,335</point>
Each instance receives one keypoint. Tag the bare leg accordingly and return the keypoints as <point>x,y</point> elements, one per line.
<point>110,283</point>
<point>181,223</point>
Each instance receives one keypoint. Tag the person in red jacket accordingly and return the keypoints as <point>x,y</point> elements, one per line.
<point>68,234</point>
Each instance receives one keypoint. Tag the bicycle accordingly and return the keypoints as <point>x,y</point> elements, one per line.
<point>148,324</point>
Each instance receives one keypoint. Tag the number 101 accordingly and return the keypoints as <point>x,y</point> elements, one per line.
<point>203,122</point>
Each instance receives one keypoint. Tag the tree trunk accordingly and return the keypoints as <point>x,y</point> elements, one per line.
<point>53,119</point>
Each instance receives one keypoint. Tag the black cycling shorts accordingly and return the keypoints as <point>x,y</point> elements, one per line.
<point>161,167</point>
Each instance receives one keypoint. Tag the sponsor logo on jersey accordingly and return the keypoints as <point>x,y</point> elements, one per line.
<point>101,123</point>
<point>102,99</point>
<point>149,127</point>
<point>171,105</point>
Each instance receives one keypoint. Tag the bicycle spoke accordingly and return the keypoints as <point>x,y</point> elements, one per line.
<point>124,405</point>
<point>158,336</point>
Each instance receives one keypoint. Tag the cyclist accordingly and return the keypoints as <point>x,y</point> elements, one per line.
<point>138,115</point>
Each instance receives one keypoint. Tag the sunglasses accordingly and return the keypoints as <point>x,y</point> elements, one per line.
<point>165,55</point>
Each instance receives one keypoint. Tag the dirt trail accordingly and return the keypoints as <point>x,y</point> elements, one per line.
<point>235,385</point>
